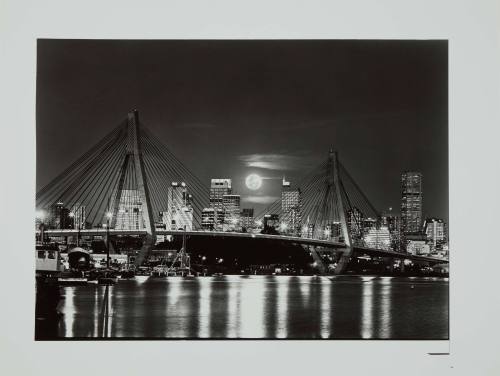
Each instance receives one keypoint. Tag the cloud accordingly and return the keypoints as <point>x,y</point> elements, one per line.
<point>272,161</point>
<point>260,199</point>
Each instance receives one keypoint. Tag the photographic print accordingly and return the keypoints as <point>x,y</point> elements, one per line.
<point>242,189</point>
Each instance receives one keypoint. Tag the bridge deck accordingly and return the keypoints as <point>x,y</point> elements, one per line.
<point>291,239</point>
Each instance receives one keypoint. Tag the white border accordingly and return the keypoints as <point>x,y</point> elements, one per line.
<point>473,32</point>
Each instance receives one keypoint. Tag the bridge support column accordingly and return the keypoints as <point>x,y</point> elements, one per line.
<point>334,181</point>
<point>390,261</point>
<point>134,149</point>
<point>318,260</point>
<point>402,265</point>
<point>341,267</point>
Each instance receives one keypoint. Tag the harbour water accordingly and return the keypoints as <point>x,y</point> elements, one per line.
<point>309,307</point>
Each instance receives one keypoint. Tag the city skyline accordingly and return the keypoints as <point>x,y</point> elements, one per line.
<point>277,132</point>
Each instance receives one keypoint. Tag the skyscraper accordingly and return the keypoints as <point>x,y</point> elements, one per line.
<point>411,202</point>
<point>247,219</point>
<point>379,238</point>
<point>393,223</point>
<point>435,231</point>
<point>290,208</point>
<point>212,219</point>
<point>355,222</point>
<point>78,216</point>
<point>129,215</point>
<point>58,216</point>
<point>179,214</point>
<point>219,188</point>
<point>231,204</point>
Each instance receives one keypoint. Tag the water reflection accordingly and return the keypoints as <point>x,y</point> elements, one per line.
<point>204,304</point>
<point>326,308</point>
<point>69,312</point>
<point>384,327</point>
<point>282,307</point>
<point>367,309</point>
<point>233,311</point>
<point>259,307</point>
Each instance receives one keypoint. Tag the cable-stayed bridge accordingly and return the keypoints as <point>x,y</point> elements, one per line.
<point>120,186</point>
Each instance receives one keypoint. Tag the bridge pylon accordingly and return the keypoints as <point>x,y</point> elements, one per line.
<point>133,164</point>
<point>333,167</point>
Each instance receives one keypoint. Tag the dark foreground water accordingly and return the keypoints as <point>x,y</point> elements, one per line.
<point>259,307</point>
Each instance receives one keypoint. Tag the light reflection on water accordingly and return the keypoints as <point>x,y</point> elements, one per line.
<point>367,310</point>
<point>204,304</point>
<point>259,307</point>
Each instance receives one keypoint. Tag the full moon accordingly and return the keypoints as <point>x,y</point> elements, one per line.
<point>253,181</point>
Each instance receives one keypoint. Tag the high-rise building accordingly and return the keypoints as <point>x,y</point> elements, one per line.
<point>232,212</point>
<point>290,209</point>
<point>271,223</point>
<point>379,238</point>
<point>332,231</point>
<point>417,247</point>
<point>129,215</point>
<point>179,214</point>
<point>355,223</point>
<point>58,216</point>
<point>247,219</point>
<point>416,244</point>
<point>435,231</point>
<point>393,223</point>
<point>77,214</point>
<point>411,202</point>
<point>368,224</point>
<point>212,219</point>
<point>219,188</point>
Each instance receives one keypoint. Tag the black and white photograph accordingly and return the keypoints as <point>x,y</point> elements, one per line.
<point>242,189</point>
<point>249,187</point>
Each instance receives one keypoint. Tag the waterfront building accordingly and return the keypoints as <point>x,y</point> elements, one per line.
<point>307,230</point>
<point>355,224</point>
<point>379,238</point>
<point>417,247</point>
<point>78,217</point>
<point>411,202</point>
<point>129,214</point>
<point>368,224</point>
<point>271,223</point>
<point>212,219</point>
<point>393,223</point>
<point>290,209</point>
<point>58,217</point>
<point>232,212</point>
<point>179,214</point>
<point>435,231</point>
<point>219,188</point>
<point>416,244</point>
<point>247,219</point>
<point>332,231</point>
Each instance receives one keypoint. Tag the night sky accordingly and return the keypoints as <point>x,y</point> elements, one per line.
<point>231,108</point>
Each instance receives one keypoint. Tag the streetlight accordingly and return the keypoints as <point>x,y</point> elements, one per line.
<point>109,215</point>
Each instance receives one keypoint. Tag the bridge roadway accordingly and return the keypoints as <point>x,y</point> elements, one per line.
<point>293,239</point>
